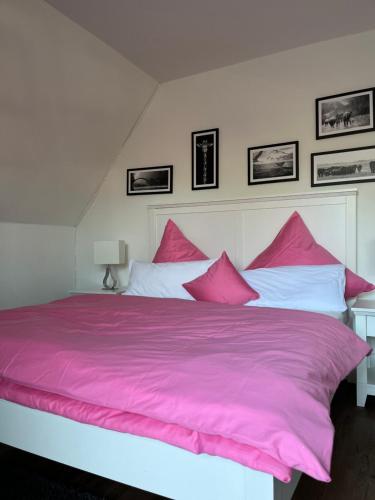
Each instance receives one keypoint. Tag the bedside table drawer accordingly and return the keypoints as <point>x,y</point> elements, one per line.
<point>370,326</point>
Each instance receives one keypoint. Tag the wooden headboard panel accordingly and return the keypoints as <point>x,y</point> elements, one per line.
<point>245,227</point>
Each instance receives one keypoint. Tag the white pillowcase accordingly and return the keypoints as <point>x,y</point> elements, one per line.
<point>310,288</point>
<point>164,280</point>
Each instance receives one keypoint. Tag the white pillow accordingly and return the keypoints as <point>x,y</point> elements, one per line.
<point>165,279</point>
<point>310,288</point>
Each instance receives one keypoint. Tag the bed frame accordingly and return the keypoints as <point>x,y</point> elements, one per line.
<point>243,228</point>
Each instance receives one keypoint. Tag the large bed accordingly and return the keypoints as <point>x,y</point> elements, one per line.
<point>195,460</point>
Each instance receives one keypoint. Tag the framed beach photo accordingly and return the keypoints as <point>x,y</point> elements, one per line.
<point>205,159</point>
<point>343,114</point>
<point>149,180</point>
<point>273,163</point>
<point>345,166</point>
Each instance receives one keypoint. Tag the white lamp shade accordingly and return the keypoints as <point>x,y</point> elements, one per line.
<point>109,252</point>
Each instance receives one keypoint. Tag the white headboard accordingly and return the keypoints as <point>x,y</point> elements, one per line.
<point>245,227</point>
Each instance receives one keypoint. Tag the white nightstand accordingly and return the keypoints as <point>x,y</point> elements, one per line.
<point>364,326</point>
<point>97,291</point>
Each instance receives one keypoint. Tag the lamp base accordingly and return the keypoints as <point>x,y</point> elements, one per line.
<point>109,273</point>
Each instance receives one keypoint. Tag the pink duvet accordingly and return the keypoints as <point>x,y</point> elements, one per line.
<point>249,384</point>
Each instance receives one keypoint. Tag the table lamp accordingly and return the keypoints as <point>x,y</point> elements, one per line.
<point>109,253</point>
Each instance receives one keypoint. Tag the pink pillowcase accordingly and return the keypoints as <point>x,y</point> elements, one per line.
<point>175,247</point>
<point>294,245</point>
<point>221,283</point>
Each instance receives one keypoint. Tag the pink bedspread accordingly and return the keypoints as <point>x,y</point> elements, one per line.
<point>250,384</point>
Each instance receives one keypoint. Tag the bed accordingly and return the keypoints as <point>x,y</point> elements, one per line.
<point>149,463</point>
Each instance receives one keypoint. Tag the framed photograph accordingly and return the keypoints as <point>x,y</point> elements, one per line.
<point>273,163</point>
<point>150,180</point>
<point>205,159</point>
<point>343,114</point>
<point>343,167</point>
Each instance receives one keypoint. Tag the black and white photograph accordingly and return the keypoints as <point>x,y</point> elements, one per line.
<point>273,163</point>
<point>343,114</point>
<point>205,159</point>
<point>150,180</point>
<point>344,166</point>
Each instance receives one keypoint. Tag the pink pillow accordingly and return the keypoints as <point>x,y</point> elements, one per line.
<point>294,245</point>
<point>221,283</point>
<point>175,247</point>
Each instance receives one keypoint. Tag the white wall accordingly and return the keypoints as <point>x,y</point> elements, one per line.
<point>67,102</point>
<point>263,101</point>
<point>36,263</point>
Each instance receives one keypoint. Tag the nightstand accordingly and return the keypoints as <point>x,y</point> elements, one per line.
<point>97,291</point>
<point>364,326</point>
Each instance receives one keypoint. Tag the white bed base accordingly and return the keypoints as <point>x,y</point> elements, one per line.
<point>144,463</point>
<point>243,228</point>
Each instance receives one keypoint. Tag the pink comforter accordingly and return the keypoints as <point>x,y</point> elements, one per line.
<point>250,384</point>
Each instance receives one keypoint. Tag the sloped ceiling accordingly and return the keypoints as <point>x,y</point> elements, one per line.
<point>174,38</point>
<point>67,103</point>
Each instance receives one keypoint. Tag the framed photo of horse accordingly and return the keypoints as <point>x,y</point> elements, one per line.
<point>273,163</point>
<point>345,166</point>
<point>344,114</point>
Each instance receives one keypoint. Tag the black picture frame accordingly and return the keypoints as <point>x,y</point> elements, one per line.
<point>343,166</point>
<point>205,159</point>
<point>149,180</point>
<point>345,114</point>
<point>284,167</point>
